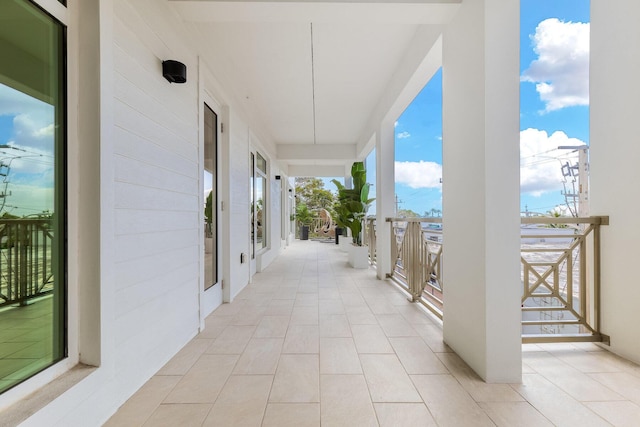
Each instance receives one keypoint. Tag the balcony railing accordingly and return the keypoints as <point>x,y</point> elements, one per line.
<point>416,254</point>
<point>369,238</point>
<point>560,273</point>
<point>25,260</point>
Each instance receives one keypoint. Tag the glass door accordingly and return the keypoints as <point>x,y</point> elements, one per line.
<point>211,197</point>
<point>32,192</point>
<point>259,190</point>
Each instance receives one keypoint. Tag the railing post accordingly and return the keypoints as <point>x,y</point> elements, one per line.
<point>394,247</point>
<point>22,247</point>
<point>414,244</point>
<point>596,276</point>
<point>371,233</point>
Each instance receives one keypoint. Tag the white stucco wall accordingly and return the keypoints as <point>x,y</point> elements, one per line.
<point>614,94</point>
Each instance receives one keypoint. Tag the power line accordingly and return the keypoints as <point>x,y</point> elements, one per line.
<point>542,152</point>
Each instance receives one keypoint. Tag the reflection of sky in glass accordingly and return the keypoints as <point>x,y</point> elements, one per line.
<point>208,180</point>
<point>26,153</point>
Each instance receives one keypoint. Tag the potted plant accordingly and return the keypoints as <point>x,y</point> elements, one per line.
<point>351,210</point>
<point>341,225</point>
<point>305,218</point>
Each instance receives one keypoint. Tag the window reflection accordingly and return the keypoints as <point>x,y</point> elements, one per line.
<point>32,192</point>
<point>211,197</point>
<point>259,202</point>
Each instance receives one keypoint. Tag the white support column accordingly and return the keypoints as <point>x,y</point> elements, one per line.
<point>385,195</point>
<point>481,188</point>
<point>614,89</point>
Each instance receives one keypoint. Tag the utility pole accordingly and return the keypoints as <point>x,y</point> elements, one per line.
<point>398,201</point>
<point>583,177</point>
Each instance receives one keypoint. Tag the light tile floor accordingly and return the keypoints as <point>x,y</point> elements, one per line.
<point>313,342</point>
<point>26,340</point>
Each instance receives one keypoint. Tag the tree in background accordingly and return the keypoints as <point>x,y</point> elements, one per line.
<point>433,213</point>
<point>312,193</point>
<point>407,213</point>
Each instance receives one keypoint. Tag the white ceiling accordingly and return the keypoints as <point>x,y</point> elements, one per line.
<point>313,71</point>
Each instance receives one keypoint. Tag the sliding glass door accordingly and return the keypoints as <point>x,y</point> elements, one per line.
<point>32,191</point>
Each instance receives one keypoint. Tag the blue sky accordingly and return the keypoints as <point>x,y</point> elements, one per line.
<point>554,111</point>
<point>26,153</point>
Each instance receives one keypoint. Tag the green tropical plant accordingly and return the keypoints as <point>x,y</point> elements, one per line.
<point>555,214</point>
<point>353,203</point>
<point>208,214</point>
<point>208,209</point>
<point>303,214</point>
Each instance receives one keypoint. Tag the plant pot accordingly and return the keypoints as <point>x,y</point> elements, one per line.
<point>344,243</point>
<point>304,232</point>
<point>359,256</point>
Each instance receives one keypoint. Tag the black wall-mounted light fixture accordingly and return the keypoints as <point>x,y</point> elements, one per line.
<point>174,71</point>
<point>277,176</point>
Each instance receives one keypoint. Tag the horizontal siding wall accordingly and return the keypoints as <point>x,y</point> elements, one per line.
<point>150,289</point>
<point>156,193</point>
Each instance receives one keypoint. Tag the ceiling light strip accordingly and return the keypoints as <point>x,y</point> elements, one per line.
<point>313,87</point>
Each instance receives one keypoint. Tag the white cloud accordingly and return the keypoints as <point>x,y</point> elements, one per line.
<point>14,102</point>
<point>395,124</point>
<point>561,72</point>
<point>403,135</point>
<point>541,161</point>
<point>26,151</point>
<point>419,174</point>
<point>29,134</point>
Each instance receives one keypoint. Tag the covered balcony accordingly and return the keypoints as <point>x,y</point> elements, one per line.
<point>180,294</point>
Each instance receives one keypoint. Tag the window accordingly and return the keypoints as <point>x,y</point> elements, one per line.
<point>211,200</point>
<point>32,192</point>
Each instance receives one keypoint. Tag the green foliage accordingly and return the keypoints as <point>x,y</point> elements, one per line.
<point>433,213</point>
<point>353,203</point>
<point>7,215</point>
<point>303,214</point>
<point>312,193</point>
<point>407,213</point>
<point>555,214</point>
<point>208,209</point>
